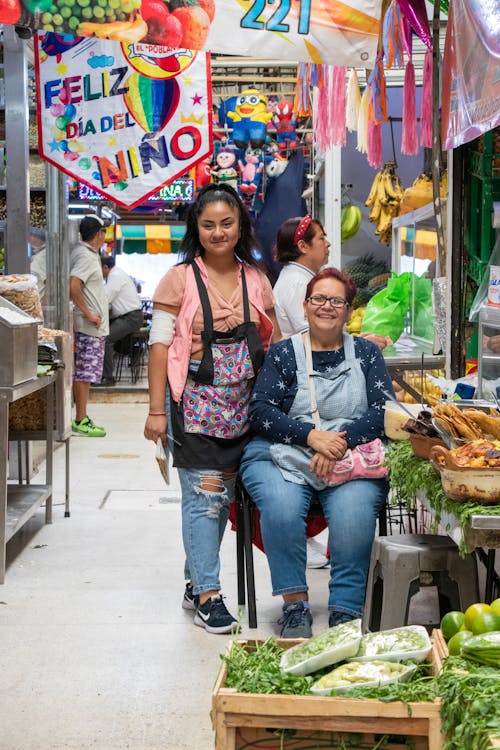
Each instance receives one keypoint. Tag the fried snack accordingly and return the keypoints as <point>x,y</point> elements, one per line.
<point>477,453</point>
<point>466,428</point>
<point>489,425</point>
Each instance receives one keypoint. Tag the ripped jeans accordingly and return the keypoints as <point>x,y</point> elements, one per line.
<point>206,495</point>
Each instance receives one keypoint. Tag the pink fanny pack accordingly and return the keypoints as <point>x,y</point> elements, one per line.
<point>365,461</point>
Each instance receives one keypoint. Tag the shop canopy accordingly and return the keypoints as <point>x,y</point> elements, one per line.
<point>150,238</point>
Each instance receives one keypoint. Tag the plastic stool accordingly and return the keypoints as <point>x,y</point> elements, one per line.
<point>401,564</point>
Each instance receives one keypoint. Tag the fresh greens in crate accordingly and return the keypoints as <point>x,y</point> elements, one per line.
<point>329,647</point>
<point>409,642</point>
<point>358,674</point>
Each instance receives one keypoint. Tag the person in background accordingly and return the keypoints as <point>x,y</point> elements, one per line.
<point>125,311</point>
<point>38,267</point>
<point>90,320</point>
<point>303,249</point>
<point>213,319</point>
<point>285,466</point>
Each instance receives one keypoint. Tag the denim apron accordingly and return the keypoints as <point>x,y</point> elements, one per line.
<point>211,421</point>
<point>341,398</point>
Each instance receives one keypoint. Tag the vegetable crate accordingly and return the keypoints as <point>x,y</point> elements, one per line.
<point>249,721</point>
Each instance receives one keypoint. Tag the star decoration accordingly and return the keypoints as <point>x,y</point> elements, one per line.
<point>62,68</point>
<point>54,146</point>
<point>188,81</point>
<point>197,99</point>
<point>111,140</point>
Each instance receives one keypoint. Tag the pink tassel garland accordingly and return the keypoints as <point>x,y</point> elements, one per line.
<point>426,103</point>
<point>409,140</point>
<point>321,134</point>
<point>338,106</point>
<point>374,151</point>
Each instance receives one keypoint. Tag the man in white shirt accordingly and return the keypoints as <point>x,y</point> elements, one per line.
<point>125,311</point>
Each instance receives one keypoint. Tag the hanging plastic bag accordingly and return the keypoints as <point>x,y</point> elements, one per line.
<point>423,315</point>
<point>385,313</point>
<point>482,293</point>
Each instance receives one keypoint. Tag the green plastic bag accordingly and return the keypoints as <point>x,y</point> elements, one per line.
<point>385,313</point>
<point>423,313</point>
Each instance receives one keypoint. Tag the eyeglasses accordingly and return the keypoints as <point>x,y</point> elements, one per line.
<point>318,300</point>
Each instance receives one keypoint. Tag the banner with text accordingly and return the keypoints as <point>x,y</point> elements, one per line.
<point>319,31</point>
<point>123,119</point>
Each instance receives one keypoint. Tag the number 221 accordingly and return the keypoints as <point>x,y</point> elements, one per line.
<point>250,19</point>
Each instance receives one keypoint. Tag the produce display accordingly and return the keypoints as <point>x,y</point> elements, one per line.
<point>370,276</point>
<point>420,382</point>
<point>384,199</point>
<point>411,642</point>
<point>330,647</point>
<point>350,221</point>
<point>357,674</point>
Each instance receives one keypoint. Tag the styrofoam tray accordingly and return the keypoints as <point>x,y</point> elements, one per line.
<point>329,647</point>
<point>369,673</point>
<point>410,642</point>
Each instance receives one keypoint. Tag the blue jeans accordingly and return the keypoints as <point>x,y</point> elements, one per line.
<point>351,511</point>
<point>204,519</point>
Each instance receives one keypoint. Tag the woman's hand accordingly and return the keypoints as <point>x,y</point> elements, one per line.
<point>331,445</point>
<point>321,466</point>
<point>156,427</point>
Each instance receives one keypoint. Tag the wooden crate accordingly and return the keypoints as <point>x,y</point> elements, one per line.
<point>244,721</point>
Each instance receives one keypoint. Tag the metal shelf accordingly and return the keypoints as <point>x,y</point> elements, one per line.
<point>23,500</point>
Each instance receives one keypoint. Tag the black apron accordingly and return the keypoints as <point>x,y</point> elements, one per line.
<point>211,420</point>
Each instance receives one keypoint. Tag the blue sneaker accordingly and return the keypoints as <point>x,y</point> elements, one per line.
<point>296,620</point>
<point>214,617</point>
<point>189,600</point>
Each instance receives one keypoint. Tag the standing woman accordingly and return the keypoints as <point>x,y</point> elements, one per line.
<point>302,247</point>
<point>213,319</point>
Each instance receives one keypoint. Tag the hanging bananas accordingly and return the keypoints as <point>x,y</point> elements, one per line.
<point>384,199</point>
<point>350,221</point>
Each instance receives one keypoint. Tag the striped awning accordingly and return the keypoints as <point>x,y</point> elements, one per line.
<point>151,238</point>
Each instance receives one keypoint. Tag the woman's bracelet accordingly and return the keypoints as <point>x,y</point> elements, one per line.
<point>157,413</point>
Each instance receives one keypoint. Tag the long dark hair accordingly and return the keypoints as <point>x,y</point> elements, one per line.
<point>191,246</point>
<point>286,250</point>
<point>333,273</point>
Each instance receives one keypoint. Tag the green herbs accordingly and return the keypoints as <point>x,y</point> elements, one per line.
<point>257,670</point>
<point>410,477</point>
<point>470,711</point>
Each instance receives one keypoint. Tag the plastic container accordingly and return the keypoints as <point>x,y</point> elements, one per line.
<point>329,647</point>
<point>494,287</point>
<point>365,674</point>
<point>410,642</point>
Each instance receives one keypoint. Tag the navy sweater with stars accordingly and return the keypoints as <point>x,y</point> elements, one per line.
<point>276,387</point>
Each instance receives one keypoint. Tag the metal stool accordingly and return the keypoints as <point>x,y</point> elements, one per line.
<point>400,565</point>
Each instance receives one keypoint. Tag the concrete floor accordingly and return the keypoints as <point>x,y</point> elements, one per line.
<point>95,649</point>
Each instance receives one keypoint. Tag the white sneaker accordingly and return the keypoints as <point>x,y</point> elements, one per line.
<point>316,554</point>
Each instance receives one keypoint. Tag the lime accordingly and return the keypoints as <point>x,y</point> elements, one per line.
<point>451,624</point>
<point>456,642</point>
<point>495,607</point>
<point>485,623</point>
<point>473,611</point>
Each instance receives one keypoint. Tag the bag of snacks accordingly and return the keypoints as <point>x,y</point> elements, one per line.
<point>22,291</point>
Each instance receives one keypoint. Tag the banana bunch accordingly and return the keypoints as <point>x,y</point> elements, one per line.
<point>384,199</point>
<point>350,221</point>
<point>354,324</point>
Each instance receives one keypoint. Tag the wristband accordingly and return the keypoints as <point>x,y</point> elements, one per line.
<point>157,414</point>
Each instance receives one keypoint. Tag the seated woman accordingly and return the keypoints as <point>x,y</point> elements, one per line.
<point>285,466</point>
